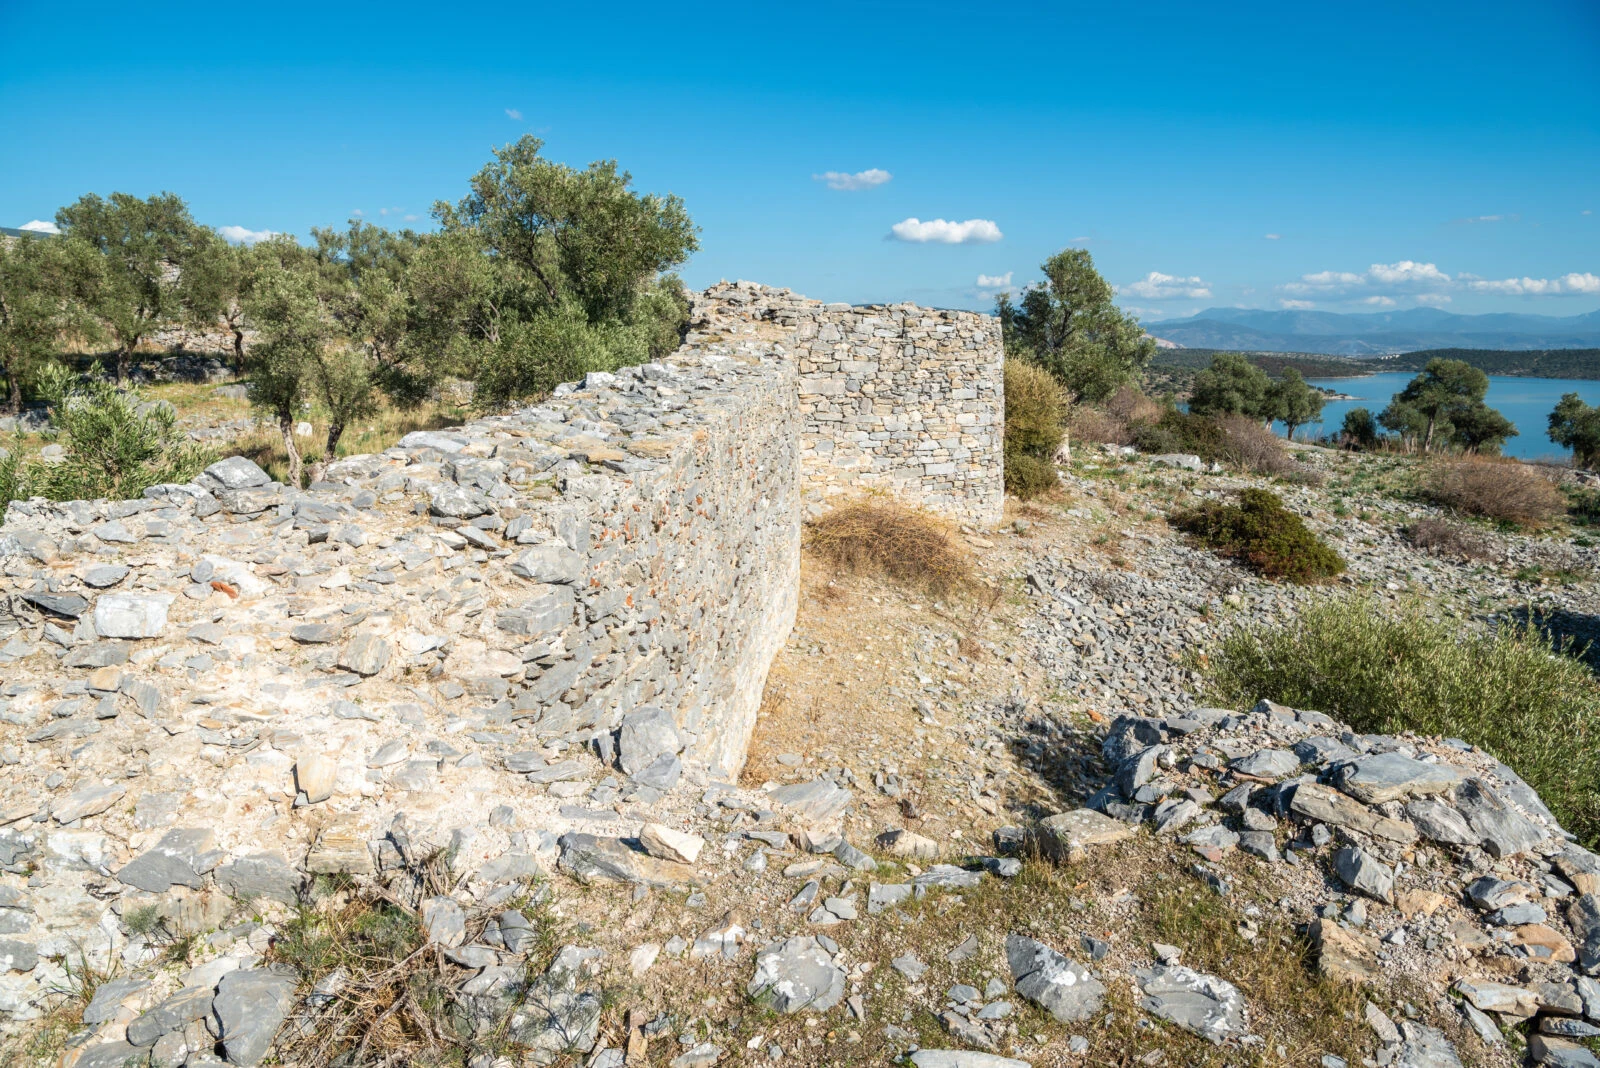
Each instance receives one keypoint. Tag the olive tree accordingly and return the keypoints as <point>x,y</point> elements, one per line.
<point>1070,325</point>
<point>142,245</point>
<point>1293,402</point>
<point>1445,403</point>
<point>293,332</point>
<point>43,282</point>
<point>1576,426</point>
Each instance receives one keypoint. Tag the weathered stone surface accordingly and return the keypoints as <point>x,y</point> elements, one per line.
<point>1067,991</point>
<point>1364,873</point>
<point>1583,915</point>
<point>588,859</point>
<point>131,615</point>
<point>646,735</point>
<point>1422,1046</point>
<point>88,800</point>
<point>366,654</point>
<point>1375,780</point>
<point>1498,997</point>
<point>237,472</point>
<point>444,921</point>
<point>1267,764</point>
<point>1502,830</point>
<point>249,1007</point>
<point>814,802</point>
<point>1202,1004</point>
<point>1344,955</point>
<point>909,845</point>
<point>1441,821</point>
<point>669,844</point>
<point>1546,1049</point>
<point>265,875</point>
<point>1067,832</point>
<point>797,974</point>
<point>962,1058</point>
<point>554,564</point>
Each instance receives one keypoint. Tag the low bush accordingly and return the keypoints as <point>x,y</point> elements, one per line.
<point>1443,538</point>
<point>1181,432</point>
<point>904,543</point>
<point>1262,534</point>
<point>115,445</point>
<point>1498,489</point>
<point>1034,428</point>
<point>1509,692</point>
<point>1091,424</point>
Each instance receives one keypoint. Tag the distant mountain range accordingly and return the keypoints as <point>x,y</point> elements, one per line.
<point>1375,333</point>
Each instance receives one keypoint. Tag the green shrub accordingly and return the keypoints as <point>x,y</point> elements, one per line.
<point>116,446</point>
<point>1508,692</point>
<point>1261,533</point>
<point>1178,431</point>
<point>1035,414</point>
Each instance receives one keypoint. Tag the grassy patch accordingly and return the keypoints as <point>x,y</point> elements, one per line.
<point>1510,692</point>
<point>1262,534</point>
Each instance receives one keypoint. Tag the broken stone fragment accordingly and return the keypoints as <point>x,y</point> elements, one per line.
<point>908,845</point>
<point>444,921</point>
<point>646,735</point>
<point>1364,873</point>
<point>1067,991</point>
<point>668,844</point>
<point>315,775</point>
<point>1376,780</point>
<point>174,861</point>
<point>1344,955</point>
<point>249,1007</point>
<point>366,654</point>
<point>589,859</point>
<point>1317,802</point>
<point>797,974</point>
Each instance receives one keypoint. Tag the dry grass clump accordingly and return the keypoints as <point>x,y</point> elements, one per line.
<point>1114,422</point>
<point>1444,538</point>
<point>906,544</point>
<point>1498,489</point>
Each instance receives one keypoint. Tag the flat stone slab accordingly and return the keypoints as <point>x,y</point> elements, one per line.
<point>963,1058</point>
<point>1267,764</point>
<point>1199,1003</point>
<point>173,861</point>
<point>817,801</point>
<point>131,615</point>
<point>249,1008</point>
<point>589,858</point>
<point>1318,802</point>
<point>1375,780</point>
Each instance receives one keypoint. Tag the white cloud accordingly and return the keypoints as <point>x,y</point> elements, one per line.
<point>866,179</point>
<point>39,226</point>
<point>1573,284</point>
<point>514,114</point>
<point>1438,300</point>
<point>1378,301</point>
<point>240,236</point>
<point>1586,211</point>
<point>412,218</point>
<point>1272,237</point>
<point>357,212</point>
<point>994,281</point>
<point>1158,286</point>
<point>941,231</point>
<point>1297,305</point>
<point>1407,273</point>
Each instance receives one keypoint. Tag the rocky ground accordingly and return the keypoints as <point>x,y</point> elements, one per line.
<point>263,801</point>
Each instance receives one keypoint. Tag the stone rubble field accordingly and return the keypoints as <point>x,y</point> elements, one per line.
<point>231,698</point>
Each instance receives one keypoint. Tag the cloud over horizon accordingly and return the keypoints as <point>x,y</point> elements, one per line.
<point>1158,286</point>
<point>39,226</point>
<point>867,179</point>
<point>1382,284</point>
<point>946,232</point>
<point>994,281</point>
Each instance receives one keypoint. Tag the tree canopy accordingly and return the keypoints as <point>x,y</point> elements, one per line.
<point>1444,404</point>
<point>1232,385</point>
<point>1070,326</point>
<point>43,286</point>
<point>1576,425</point>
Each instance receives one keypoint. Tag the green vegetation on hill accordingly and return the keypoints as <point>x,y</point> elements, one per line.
<point>1537,363</point>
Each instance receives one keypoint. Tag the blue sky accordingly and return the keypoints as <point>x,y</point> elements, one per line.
<point>1350,157</point>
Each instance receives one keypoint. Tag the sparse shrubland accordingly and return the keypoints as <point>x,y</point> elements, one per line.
<point>1510,692</point>
<point>1444,538</point>
<point>1262,534</point>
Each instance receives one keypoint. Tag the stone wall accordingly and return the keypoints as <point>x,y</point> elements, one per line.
<point>897,398</point>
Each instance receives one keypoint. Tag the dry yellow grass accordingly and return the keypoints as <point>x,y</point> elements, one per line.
<point>882,535</point>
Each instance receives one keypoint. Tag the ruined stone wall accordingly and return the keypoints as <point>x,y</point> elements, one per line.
<point>898,398</point>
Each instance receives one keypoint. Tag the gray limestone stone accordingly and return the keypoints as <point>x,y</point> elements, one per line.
<point>1267,764</point>
<point>797,974</point>
<point>170,862</point>
<point>816,802</point>
<point>588,859</point>
<point>1424,1047</point>
<point>249,1007</point>
<point>1364,873</point>
<point>963,1058</point>
<point>1374,780</point>
<point>1067,991</point>
<point>1502,830</point>
<point>444,921</point>
<point>265,875</point>
<point>1202,1004</point>
<point>108,998</point>
<point>17,956</point>
<point>554,564</point>
<point>365,654</point>
<point>236,473</point>
<point>646,735</point>
<point>1440,821</point>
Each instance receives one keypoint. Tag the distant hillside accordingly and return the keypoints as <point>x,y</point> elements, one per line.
<point>1537,363</point>
<point>1377,333</point>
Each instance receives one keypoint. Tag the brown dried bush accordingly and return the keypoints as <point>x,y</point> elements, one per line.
<point>1131,406</point>
<point>1252,447</point>
<point>1497,489</point>
<point>1444,538</point>
<point>906,544</point>
<point>1091,424</point>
